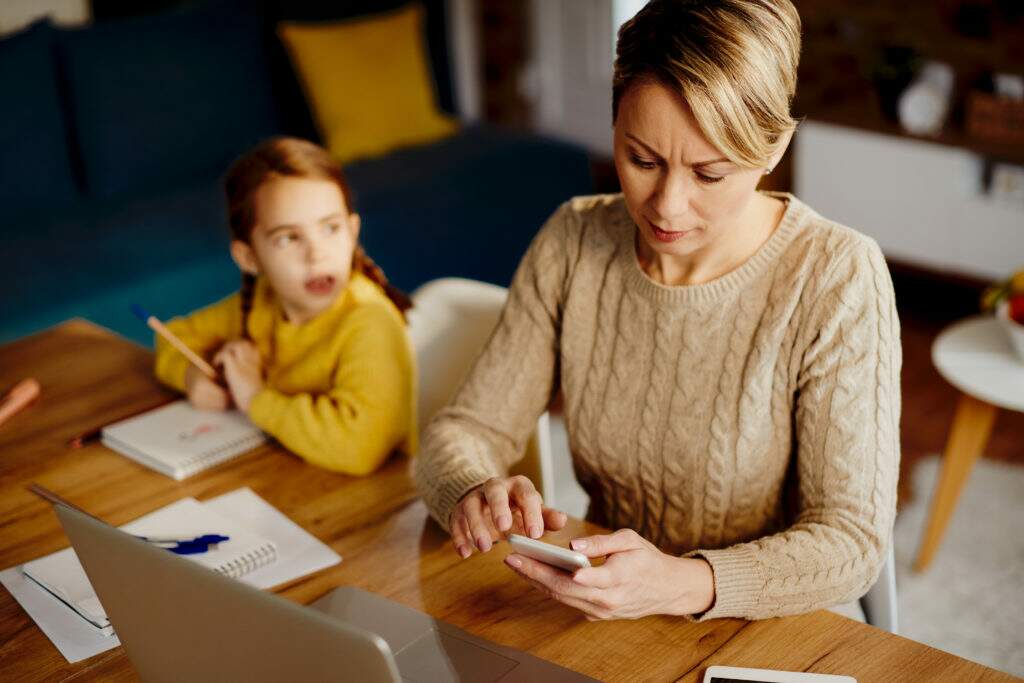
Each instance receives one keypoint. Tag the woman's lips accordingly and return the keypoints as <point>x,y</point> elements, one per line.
<point>668,235</point>
<point>322,284</point>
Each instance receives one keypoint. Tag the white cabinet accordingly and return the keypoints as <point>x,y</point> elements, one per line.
<point>925,203</point>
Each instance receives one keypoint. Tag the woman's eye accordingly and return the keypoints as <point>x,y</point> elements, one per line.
<point>709,179</point>
<point>283,240</point>
<point>332,228</point>
<point>641,162</point>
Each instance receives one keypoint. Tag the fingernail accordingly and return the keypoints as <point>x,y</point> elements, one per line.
<point>463,551</point>
<point>504,522</point>
<point>535,532</point>
<point>483,543</point>
<point>578,544</point>
<point>514,561</point>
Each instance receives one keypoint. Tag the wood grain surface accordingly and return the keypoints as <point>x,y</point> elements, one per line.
<point>91,377</point>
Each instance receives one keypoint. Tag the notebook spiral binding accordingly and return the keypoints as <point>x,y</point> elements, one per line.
<point>217,455</point>
<point>240,566</point>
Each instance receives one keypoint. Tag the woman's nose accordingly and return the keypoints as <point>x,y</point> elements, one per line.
<point>671,201</point>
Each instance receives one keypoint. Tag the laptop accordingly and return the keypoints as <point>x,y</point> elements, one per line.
<point>180,621</point>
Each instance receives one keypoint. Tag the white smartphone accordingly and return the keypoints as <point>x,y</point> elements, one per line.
<point>735,674</point>
<point>556,556</point>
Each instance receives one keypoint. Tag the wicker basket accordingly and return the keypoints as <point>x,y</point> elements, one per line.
<point>995,119</point>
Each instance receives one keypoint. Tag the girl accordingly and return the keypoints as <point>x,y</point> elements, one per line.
<point>313,347</point>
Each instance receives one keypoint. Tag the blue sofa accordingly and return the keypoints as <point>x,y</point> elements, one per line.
<point>113,147</point>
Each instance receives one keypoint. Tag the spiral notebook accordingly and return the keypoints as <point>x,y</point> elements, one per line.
<point>62,576</point>
<point>179,440</point>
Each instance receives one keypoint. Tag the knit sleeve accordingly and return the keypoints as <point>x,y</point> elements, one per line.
<point>203,331</point>
<point>484,429</point>
<point>366,413</point>
<point>847,409</point>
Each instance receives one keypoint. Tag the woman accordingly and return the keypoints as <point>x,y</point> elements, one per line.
<point>712,343</point>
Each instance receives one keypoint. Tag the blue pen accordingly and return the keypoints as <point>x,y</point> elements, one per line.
<point>179,546</point>
<point>192,546</point>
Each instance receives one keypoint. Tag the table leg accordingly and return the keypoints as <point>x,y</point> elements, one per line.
<point>968,436</point>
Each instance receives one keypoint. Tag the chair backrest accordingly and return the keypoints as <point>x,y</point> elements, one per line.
<point>879,602</point>
<point>450,323</point>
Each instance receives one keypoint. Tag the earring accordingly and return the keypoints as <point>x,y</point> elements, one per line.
<point>768,170</point>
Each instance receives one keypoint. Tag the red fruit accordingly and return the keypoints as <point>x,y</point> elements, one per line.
<point>1017,308</point>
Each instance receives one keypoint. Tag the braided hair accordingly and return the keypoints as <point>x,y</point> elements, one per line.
<point>289,157</point>
<point>246,294</point>
<point>366,265</point>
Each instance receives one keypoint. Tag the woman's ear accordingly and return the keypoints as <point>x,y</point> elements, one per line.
<point>776,157</point>
<point>244,257</point>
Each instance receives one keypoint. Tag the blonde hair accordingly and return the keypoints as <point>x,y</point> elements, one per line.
<point>734,62</point>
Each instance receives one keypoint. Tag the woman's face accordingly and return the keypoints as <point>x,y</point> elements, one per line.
<point>303,242</point>
<point>682,193</point>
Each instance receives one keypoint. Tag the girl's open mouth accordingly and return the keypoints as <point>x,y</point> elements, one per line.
<point>322,284</point>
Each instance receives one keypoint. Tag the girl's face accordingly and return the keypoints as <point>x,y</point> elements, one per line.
<point>303,242</point>
<point>682,193</point>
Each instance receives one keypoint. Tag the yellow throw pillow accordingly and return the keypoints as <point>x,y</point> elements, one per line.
<point>368,82</point>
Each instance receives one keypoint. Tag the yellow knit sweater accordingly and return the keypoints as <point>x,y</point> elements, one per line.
<point>339,390</point>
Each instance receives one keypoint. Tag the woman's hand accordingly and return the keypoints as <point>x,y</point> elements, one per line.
<point>635,581</point>
<point>203,392</point>
<point>487,512</point>
<point>243,370</point>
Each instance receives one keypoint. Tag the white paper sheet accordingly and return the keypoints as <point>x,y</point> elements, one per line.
<point>299,554</point>
<point>76,638</point>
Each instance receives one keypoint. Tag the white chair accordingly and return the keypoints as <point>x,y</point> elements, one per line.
<point>451,321</point>
<point>879,603</point>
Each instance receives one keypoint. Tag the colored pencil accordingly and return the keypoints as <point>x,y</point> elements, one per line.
<point>154,324</point>
<point>20,395</point>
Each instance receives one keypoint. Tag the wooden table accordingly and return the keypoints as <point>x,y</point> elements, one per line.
<point>382,530</point>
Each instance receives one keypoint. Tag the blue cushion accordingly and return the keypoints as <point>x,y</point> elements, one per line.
<point>467,206</point>
<point>167,251</point>
<point>34,162</point>
<point>159,99</point>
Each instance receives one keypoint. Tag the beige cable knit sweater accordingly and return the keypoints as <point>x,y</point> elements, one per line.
<point>688,407</point>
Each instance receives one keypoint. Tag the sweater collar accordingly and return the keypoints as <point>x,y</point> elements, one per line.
<point>767,253</point>
<point>326,318</point>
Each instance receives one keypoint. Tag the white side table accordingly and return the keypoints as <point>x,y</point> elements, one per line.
<point>974,356</point>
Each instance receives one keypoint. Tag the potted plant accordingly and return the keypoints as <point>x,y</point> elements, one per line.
<point>1007,300</point>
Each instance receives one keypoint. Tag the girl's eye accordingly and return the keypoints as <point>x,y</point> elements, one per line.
<point>709,179</point>
<point>284,240</point>
<point>333,228</point>
<point>641,162</point>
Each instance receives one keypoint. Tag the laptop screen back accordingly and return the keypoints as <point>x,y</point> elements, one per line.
<point>180,621</point>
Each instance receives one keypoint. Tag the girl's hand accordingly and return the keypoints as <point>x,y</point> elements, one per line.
<point>203,392</point>
<point>243,370</point>
<point>488,511</point>
<point>635,581</point>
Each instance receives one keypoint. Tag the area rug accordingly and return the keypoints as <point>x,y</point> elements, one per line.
<point>971,600</point>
